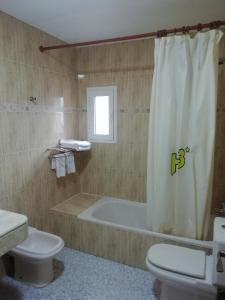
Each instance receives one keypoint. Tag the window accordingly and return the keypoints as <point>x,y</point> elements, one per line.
<point>101,113</point>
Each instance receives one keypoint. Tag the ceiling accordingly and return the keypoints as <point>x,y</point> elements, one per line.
<point>85,20</point>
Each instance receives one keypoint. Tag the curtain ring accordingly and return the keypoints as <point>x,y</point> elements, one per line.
<point>183,29</point>
<point>199,27</point>
<point>187,29</point>
<point>215,25</point>
<point>161,33</point>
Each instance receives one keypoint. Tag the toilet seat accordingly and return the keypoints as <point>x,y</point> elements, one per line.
<point>189,274</point>
<point>178,259</point>
<point>167,274</point>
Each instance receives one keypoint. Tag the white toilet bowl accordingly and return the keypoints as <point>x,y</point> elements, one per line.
<point>34,257</point>
<point>184,273</point>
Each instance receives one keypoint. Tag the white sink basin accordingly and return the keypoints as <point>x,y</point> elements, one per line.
<point>10,221</point>
<point>13,230</point>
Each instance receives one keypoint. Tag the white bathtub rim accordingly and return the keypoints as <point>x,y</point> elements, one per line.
<point>87,215</point>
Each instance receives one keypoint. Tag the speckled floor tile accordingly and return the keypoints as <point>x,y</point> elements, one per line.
<point>85,277</point>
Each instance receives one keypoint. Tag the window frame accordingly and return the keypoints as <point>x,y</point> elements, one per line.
<point>92,92</point>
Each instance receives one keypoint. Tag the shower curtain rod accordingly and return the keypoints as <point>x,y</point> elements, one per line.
<point>160,33</point>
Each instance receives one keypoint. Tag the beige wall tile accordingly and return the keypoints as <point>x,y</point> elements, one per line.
<point>121,167</point>
<point>27,185</point>
<point>117,170</point>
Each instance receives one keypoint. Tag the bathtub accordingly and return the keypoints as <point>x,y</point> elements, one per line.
<point>131,216</point>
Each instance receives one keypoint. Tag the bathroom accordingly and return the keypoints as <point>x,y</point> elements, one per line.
<point>99,211</point>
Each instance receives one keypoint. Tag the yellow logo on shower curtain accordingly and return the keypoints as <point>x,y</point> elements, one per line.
<point>178,160</point>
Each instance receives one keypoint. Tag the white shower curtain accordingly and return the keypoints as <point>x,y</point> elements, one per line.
<point>181,134</point>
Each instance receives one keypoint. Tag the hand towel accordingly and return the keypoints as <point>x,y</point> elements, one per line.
<point>70,163</point>
<point>53,166</point>
<point>59,165</point>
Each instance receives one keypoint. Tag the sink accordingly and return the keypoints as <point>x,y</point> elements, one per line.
<point>13,230</point>
<point>10,221</point>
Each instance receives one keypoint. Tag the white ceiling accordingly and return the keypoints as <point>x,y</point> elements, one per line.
<point>85,20</point>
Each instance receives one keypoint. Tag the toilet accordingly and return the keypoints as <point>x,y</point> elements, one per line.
<point>189,274</point>
<point>33,258</point>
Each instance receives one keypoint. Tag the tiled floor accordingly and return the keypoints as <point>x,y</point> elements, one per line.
<point>85,277</point>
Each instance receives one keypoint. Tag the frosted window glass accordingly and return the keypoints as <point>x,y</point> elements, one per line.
<point>101,115</point>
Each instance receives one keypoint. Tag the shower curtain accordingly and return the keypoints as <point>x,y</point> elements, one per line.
<point>181,134</point>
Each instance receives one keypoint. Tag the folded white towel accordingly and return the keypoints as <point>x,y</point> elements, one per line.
<point>53,166</point>
<point>79,148</point>
<point>75,144</point>
<point>70,163</point>
<point>59,165</point>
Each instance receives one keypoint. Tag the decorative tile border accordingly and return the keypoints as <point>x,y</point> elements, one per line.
<point>134,110</point>
<point>15,107</point>
<point>123,110</point>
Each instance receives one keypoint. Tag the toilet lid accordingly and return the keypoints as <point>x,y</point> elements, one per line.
<point>178,259</point>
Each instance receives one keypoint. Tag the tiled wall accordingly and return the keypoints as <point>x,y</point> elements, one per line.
<point>120,169</point>
<point>26,183</point>
<point>219,167</point>
<point>26,130</point>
